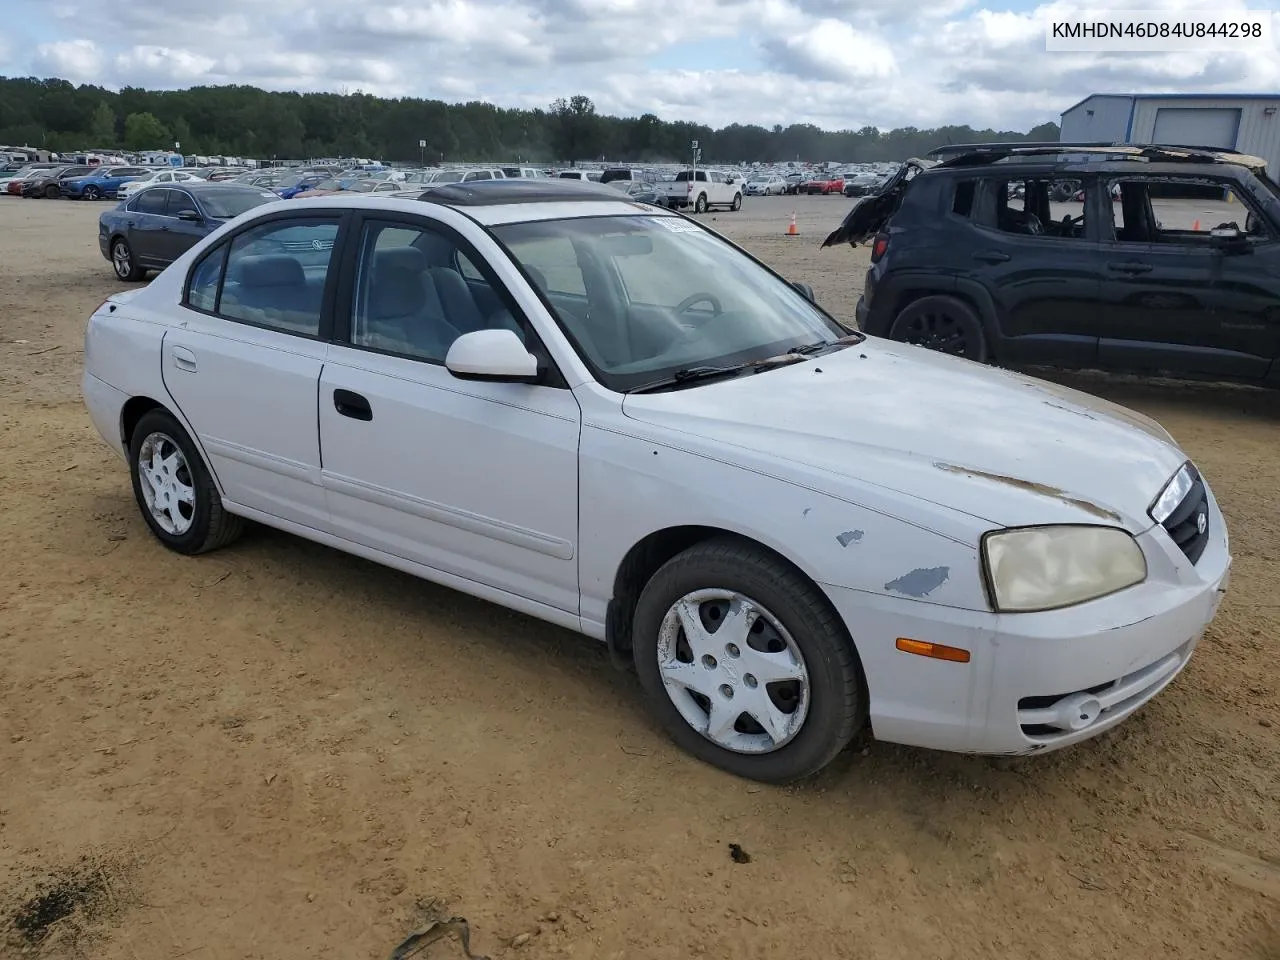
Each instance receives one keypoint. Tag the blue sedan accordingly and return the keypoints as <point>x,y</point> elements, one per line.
<point>159,224</point>
<point>103,182</point>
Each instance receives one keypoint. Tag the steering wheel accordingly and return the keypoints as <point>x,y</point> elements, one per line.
<point>684,305</point>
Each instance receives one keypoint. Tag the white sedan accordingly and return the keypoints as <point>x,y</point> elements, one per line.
<point>612,418</point>
<point>159,176</point>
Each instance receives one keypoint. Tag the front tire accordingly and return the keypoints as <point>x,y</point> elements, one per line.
<point>737,203</point>
<point>174,490</point>
<point>944,324</point>
<point>51,192</point>
<point>746,664</point>
<point>123,263</point>
<point>700,206</point>
<point>92,193</point>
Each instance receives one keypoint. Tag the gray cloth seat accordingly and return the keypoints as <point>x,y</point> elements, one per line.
<point>403,309</point>
<point>272,289</point>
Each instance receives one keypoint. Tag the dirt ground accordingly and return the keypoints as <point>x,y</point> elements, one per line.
<point>277,751</point>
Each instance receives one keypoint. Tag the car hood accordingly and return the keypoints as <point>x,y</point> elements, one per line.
<point>983,441</point>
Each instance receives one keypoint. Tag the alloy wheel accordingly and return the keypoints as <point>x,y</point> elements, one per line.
<point>168,487</point>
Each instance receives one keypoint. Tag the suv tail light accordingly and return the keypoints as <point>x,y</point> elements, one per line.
<point>878,247</point>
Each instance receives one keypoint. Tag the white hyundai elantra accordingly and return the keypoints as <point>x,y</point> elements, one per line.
<point>608,416</point>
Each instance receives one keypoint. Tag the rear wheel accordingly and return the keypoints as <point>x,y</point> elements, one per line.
<point>746,664</point>
<point>123,263</point>
<point>737,202</point>
<point>51,192</point>
<point>944,324</point>
<point>174,491</point>
<point>700,206</point>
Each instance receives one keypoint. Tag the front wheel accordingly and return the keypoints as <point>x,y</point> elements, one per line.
<point>737,202</point>
<point>51,192</point>
<point>92,193</point>
<point>746,664</point>
<point>701,205</point>
<point>944,324</point>
<point>174,490</point>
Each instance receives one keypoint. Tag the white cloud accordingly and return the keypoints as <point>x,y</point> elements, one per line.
<point>837,63</point>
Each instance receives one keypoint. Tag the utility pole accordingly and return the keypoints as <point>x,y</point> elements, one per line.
<point>422,153</point>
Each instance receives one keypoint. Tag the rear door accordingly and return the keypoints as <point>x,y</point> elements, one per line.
<point>244,365</point>
<point>1045,278</point>
<point>147,224</point>
<point>1166,305</point>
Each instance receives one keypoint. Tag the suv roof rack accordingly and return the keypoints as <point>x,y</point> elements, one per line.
<point>972,154</point>
<point>486,193</point>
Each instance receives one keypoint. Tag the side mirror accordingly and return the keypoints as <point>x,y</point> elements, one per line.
<point>189,215</point>
<point>806,291</point>
<point>1229,239</point>
<point>493,355</point>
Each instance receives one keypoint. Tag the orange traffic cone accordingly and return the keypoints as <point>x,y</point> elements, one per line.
<point>791,230</point>
<point>1195,227</point>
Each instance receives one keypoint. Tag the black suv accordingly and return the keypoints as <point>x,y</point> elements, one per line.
<point>46,185</point>
<point>1147,259</point>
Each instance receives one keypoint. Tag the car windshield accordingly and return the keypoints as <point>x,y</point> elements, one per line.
<point>225,204</point>
<point>645,297</point>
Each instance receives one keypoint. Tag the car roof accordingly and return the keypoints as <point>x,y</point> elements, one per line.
<point>493,202</point>
<point>1075,155</point>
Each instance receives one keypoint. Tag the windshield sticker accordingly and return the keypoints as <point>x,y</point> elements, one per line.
<point>676,224</point>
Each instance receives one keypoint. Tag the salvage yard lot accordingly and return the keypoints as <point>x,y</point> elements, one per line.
<point>278,750</point>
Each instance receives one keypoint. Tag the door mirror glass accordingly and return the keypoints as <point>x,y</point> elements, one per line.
<point>189,215</point>
<point>496,355</point>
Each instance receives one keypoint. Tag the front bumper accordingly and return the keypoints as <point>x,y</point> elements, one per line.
<point>1040,681</point>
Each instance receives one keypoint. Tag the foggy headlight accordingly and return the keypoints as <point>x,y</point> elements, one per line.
<point>1043,568</point>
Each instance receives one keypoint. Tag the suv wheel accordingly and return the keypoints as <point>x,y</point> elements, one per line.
<point>701,205</point>
<point>944,324</point>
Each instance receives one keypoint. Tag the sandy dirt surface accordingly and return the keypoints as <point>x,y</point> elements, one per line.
<point>277,751</point>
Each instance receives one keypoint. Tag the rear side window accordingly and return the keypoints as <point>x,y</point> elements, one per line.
<point>962,201</point>
<point>274,275</point>
<point>151,201</point>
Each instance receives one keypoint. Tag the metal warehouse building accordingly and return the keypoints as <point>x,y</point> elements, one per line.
<point>1249,123</point>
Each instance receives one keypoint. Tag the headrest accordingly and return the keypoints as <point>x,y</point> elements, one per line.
<point>271,270</point>
<point>403,258</point>
<point>396,292</point>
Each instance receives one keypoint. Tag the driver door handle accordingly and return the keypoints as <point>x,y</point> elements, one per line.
<point>183,359</point>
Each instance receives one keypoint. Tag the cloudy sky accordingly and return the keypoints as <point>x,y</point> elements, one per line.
<point>836,63</point>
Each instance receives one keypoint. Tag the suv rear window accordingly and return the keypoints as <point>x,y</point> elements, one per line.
<point>617,174</point>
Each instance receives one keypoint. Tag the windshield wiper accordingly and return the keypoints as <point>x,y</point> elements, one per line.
<point>809,349</point>
<point>690,375</point>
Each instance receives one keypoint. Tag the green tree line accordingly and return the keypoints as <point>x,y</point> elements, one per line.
<point>246,121</point>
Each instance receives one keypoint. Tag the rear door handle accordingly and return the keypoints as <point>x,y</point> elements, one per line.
<point>352,405</point>
<point>1130,266</point>
<point>183,359</point>
<point>991,256</point>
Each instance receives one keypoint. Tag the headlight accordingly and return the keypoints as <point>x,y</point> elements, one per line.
<point>1043,568</point>
<point>1174,493</point>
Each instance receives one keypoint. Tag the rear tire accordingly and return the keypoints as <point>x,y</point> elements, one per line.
<point>123,262</point>
<point>700,206</point>
<point>737,203</point>
<point>944,324</point>
<point>791,629</point>
<point>51,192</point>
<point>173,488</point>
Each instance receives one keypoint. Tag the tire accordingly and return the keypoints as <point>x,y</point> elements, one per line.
<point>944,324</point>
<point>179,472</point>
<point>92,193</point>
<point>51,192</point>
<point>832,695</point>
<point>737,203</point>
<point>700,205</point>
<point>122,262</point>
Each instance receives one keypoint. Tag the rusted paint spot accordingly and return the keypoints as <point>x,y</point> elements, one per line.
<point>1041,488</point>
<point>1078,412</point>
<point>920,582</point>
<point>849,536</point>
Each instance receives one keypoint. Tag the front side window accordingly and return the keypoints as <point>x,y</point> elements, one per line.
<point>644,297</point>
<point>417,291</point>
<point>276,273</point>
<point>1172,210</point>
